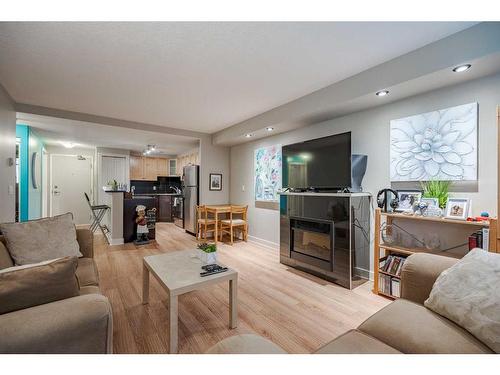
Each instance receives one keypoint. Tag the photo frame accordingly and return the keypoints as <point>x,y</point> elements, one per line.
<point>431,202</point>
<point>457,208</point>
<point>215,182</point>
<point>407,198</point>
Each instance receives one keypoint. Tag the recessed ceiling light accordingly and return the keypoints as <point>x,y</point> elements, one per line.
<point>462,68</point>
<point>269,128</point>
<point>67,144</point>
<point>248,135</point>
<point>382,93</point>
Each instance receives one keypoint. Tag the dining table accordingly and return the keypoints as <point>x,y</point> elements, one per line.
<point>216,210</point>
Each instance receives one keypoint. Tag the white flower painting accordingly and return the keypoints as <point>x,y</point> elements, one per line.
<point>439,145</point>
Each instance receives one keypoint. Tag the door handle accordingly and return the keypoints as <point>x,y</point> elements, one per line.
<point>56,192</point>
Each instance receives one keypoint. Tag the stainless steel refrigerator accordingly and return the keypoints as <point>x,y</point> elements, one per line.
<point>190,191</point>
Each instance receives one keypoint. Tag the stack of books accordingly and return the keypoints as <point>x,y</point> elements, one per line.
<point>393,264</point>
<point>480,239</point>
<point>390,283</point>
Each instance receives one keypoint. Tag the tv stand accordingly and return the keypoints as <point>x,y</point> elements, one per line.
<point>327,234</point>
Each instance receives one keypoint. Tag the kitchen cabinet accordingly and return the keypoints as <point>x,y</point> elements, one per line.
<point>136,167</point>
<point>187,159</point>
<point>148,168</point>
<point>165,208</point>
<point>172,167</point>
<point>162,167</point>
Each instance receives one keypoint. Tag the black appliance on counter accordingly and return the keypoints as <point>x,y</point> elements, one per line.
<point>327,234</point>
<point>130,214</point>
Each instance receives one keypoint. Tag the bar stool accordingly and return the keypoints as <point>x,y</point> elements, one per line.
<point>98,212</point>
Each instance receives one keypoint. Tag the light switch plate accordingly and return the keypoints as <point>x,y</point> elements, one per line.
<point>242,187</point>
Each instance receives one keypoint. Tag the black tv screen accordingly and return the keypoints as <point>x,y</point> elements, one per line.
<point>323,163</point>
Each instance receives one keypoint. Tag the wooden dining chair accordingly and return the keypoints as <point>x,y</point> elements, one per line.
<point>204,223</point>
<point>237,221</point>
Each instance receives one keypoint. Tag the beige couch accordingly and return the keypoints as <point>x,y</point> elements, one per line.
<point>82,324</point>
<point>404,326</point>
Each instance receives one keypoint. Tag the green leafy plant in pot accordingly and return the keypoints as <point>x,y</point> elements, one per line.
<point>437,189</point>
<point>113,184</point>
<point>207,253</point>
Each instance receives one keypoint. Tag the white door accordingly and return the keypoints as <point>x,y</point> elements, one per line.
<point>71,177</point>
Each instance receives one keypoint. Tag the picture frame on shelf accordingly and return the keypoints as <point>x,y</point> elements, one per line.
<point>407,198</point>
<point>457,208</point>
<point>431,202</point>
<point>215,183</point>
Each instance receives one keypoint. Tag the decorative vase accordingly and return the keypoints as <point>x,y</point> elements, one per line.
<point>207,258</point>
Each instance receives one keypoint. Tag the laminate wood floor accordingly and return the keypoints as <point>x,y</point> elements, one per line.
<point>295,310</point>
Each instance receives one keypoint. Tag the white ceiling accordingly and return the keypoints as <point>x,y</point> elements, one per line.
<point>195,76</point>
<point>83,134</point>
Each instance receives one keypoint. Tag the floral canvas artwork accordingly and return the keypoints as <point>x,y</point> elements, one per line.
<point>267,173</point>
<point>439,145</point>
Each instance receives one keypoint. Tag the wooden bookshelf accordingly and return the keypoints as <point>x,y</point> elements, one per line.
<point>388,249</point>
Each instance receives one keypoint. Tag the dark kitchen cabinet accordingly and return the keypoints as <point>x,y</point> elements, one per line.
<point>165,208</point>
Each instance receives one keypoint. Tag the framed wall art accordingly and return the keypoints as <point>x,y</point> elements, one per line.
<point>267,173</point>
<point>215,182</point>
<point>438,145</point>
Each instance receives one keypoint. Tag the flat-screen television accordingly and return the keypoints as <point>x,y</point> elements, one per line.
<point>323,163</point>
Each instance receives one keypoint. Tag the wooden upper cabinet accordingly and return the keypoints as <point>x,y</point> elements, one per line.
<point>136,167</point>
<point>172,167</point>
<point>146,168</point>
<point>150,169</point>
<point>162,167</point>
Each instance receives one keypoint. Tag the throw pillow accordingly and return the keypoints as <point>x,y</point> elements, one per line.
<point>468,294</point>
<point>36,284</point>
<point>39,240</point>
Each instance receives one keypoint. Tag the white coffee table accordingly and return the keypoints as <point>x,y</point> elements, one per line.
<point>179,273</point>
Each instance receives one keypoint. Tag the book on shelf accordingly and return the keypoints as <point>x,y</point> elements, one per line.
<point>395,287</point>
<point>486,239</point>
<point>389,285</point>
<point>392,264</point>
<point>480,239</point>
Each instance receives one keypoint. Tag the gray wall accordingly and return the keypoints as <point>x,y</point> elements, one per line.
<point>7,150</point>
<point>370,135</point>
<point>213,159</point>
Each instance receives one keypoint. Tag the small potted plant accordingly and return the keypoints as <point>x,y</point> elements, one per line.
<point>437,189</point>
<point>207,253</point>
<point>113,185</point>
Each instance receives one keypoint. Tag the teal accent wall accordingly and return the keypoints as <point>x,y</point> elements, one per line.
<point>35,147</point>
<point>30,198</point>
<point>22,132</point>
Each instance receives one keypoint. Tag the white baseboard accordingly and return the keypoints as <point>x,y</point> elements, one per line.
<point>116,241</point>
<point>265,243</point>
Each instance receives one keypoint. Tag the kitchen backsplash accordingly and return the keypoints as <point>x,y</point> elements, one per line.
<point>160,186</point>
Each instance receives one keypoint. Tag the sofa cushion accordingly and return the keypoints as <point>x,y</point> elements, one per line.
<point>5,259</point>
<point>91,289</point>
<point>32,285</point>
<point>79,325</point>
<point>356,342</point>
<point>39,240</point>
<point>245,344</point>
<point>87,272</point>
<point>413,329</point>
<point>467,294</point>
